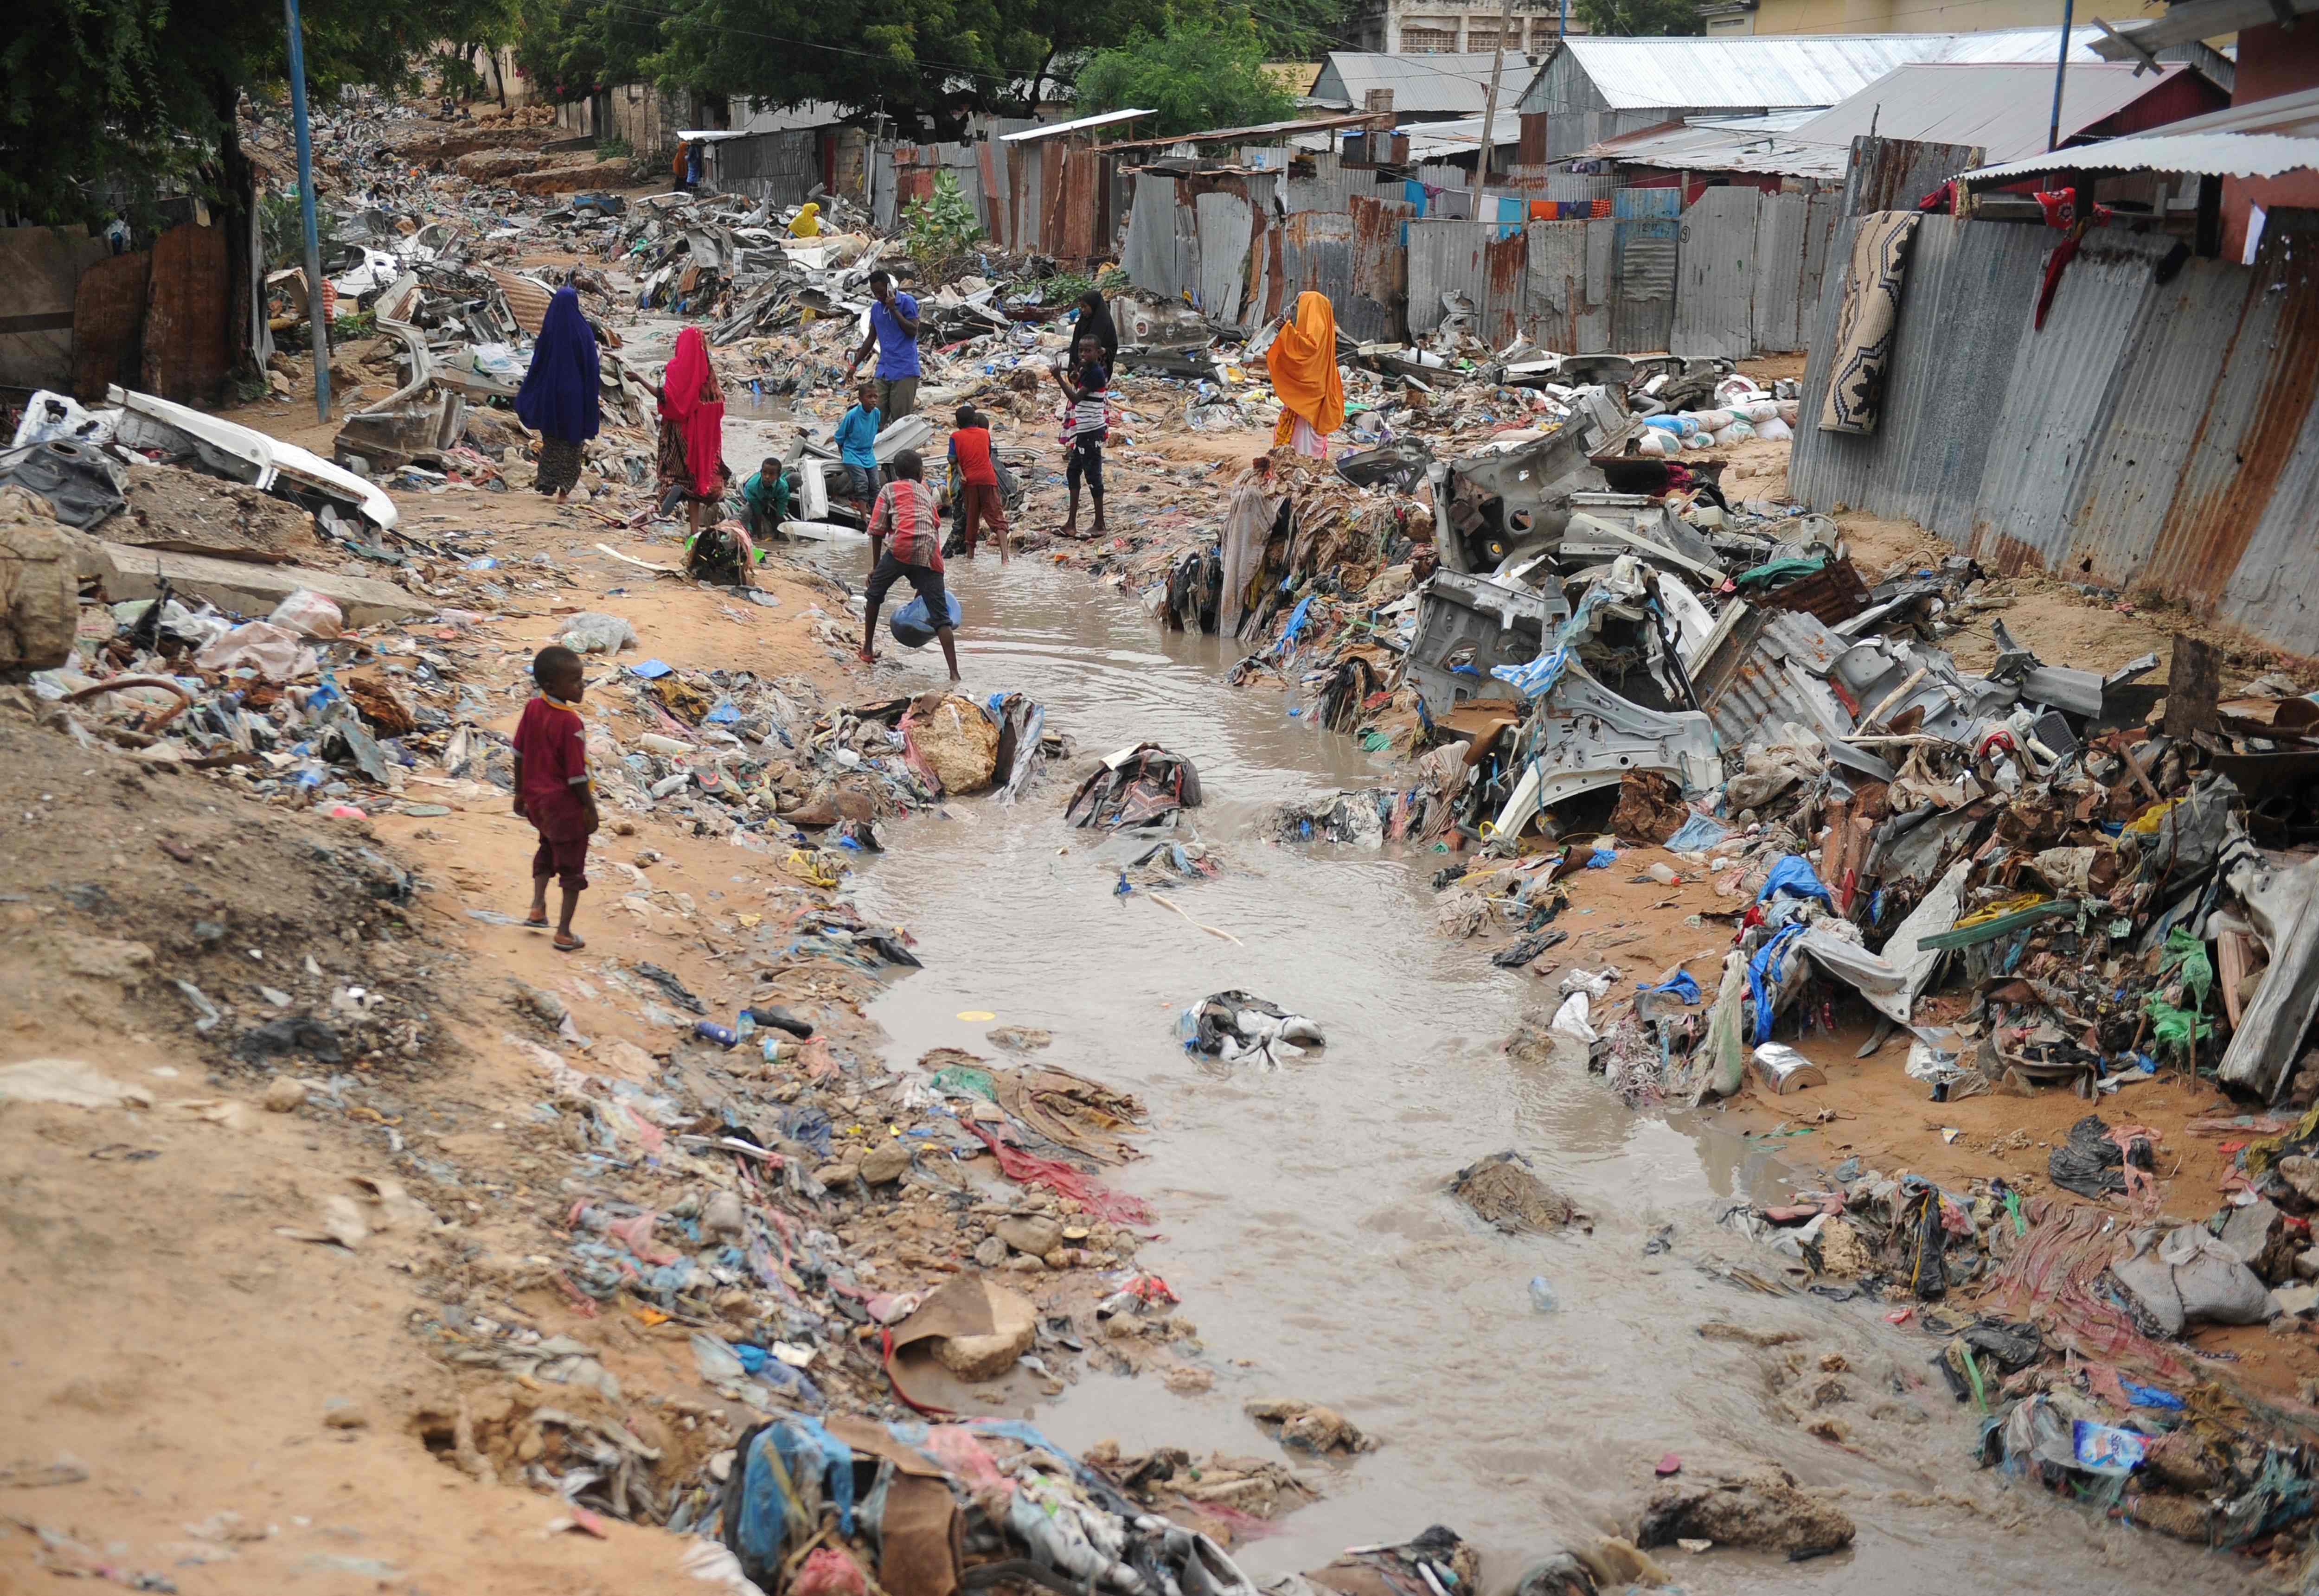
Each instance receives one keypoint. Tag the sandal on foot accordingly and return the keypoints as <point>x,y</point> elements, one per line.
<point>541,923</point>
<point>574,946</point>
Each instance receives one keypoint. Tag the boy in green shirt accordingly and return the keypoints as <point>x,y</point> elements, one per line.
<point>766,495</point>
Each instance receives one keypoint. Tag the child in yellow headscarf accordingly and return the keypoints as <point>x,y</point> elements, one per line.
<point>1303,361</point>
<point>807,224</point>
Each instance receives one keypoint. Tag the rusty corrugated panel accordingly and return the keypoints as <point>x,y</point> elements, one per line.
<point>526,299</point>
<point>2248,434</point>
<point>108,324</point>
<point>186,316</point>
<point>2167,380</point>
<point>1504,266</point>
<point>1780,304</point>
<point>2060,396</point>
<point>990,159</point>
<point>1316,257</point>
<point>1894,174</point>
<point>1378,309</point>
<point>1834,592</point>
<point>1276,276</point>
<point>2272,593</point>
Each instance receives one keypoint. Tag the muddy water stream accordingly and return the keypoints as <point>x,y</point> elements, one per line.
<point>1303,1221</point>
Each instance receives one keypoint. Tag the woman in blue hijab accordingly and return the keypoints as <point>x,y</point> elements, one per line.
<point>560,399</point>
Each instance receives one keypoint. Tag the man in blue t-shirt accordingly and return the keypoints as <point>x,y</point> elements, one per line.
<point>894,331</point>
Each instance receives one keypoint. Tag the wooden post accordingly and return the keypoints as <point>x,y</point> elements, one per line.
<point>1490,116</point>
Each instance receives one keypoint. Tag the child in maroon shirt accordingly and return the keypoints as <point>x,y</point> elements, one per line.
<point>552,790</point>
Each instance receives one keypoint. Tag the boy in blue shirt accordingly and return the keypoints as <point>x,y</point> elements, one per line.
<point>857,431</point>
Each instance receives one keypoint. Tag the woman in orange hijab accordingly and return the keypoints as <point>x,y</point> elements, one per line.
<point>1303,361</point>
<point>693,430</point>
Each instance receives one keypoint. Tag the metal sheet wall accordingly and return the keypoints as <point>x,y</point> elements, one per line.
<point>1226,225</point>
<point>1643,255</point>
<point>2171,363</point>
<point>779,167</point>
<point>2159,436</point>
<point>1162,249</point>
<point>1779,307</point>
<point>1625,203</point>
<point>1717,268</point>
<point>2058,399</point>
<point>1379,308</point>
<point>2247,433</point>
<point>1316,255</point>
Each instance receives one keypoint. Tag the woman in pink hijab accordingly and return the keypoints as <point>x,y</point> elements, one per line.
<point>693,430</point>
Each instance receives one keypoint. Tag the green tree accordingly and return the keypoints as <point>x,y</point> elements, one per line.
<point>1203,71</point>
<point>571,48</point>
<point>1641,18</point>
<point>109,99</point>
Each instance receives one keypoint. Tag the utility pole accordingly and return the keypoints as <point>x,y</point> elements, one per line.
<point>1490,122</point>
<point>2061,71</point>
<point>317,313</point>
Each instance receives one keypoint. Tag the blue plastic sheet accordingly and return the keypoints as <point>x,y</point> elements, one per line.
<point>1793,874</point>
<point>1603,858</point>
<point>1763,968</point>
<point>1697,833</point>
<point>2150,1396</point>
<point>1679,984</point>
<point>651,670</point>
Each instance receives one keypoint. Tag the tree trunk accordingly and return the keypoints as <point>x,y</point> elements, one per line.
<point>247,343</point>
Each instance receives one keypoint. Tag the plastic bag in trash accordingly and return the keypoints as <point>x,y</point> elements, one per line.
<point>308,612</point>
<point>593,631</point>
<point>914,629</point>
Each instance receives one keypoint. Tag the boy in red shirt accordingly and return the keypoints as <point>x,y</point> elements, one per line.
<point>552,790</point>
<point>977,483</point>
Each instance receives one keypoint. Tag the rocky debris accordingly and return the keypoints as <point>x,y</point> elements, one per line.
<point>40,594</point>
<point>1504,1191</point>
<point>195,513</point>
<point>1764,1509</point>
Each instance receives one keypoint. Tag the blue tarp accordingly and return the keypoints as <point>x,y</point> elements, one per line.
<point>1793,874</point>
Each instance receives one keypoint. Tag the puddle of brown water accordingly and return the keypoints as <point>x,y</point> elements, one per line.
<point>1304,1225</point>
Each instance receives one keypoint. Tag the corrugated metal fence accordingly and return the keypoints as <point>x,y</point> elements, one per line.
<point>780,167</point>
<point>2158,432</point>
<point>1739,274</point>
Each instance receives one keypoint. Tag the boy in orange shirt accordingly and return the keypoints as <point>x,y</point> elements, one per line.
<point>552,789</point>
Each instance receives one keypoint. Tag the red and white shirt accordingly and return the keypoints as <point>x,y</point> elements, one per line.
<point>905,516</point>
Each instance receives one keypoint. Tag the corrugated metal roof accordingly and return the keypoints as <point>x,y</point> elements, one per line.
<point>1431,141</point>
<point>2003,108</point>
<point>1442,85</point>
<point>1764,71</point>
<point>2261,139</point>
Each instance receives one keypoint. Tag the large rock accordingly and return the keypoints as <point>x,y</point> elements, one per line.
<point>40,590</point>
<point>195,513</point>
<point>246,589</point>
<point>955,739</point>
<point>1503,1190</point>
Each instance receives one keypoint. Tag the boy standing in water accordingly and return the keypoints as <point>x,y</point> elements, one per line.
<point>905,542</point>
<point>974,478</point>
<point>552,790</point>
<point>856,435</point>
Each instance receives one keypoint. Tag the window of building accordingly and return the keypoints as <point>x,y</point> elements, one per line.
<point>1418,41</point>
<point>1482,35</point>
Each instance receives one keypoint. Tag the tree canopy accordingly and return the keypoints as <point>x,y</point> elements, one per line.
<point>106,99</point>
<point>1641,18</point>
<point>1205,71</point>
<point>925,66</point>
